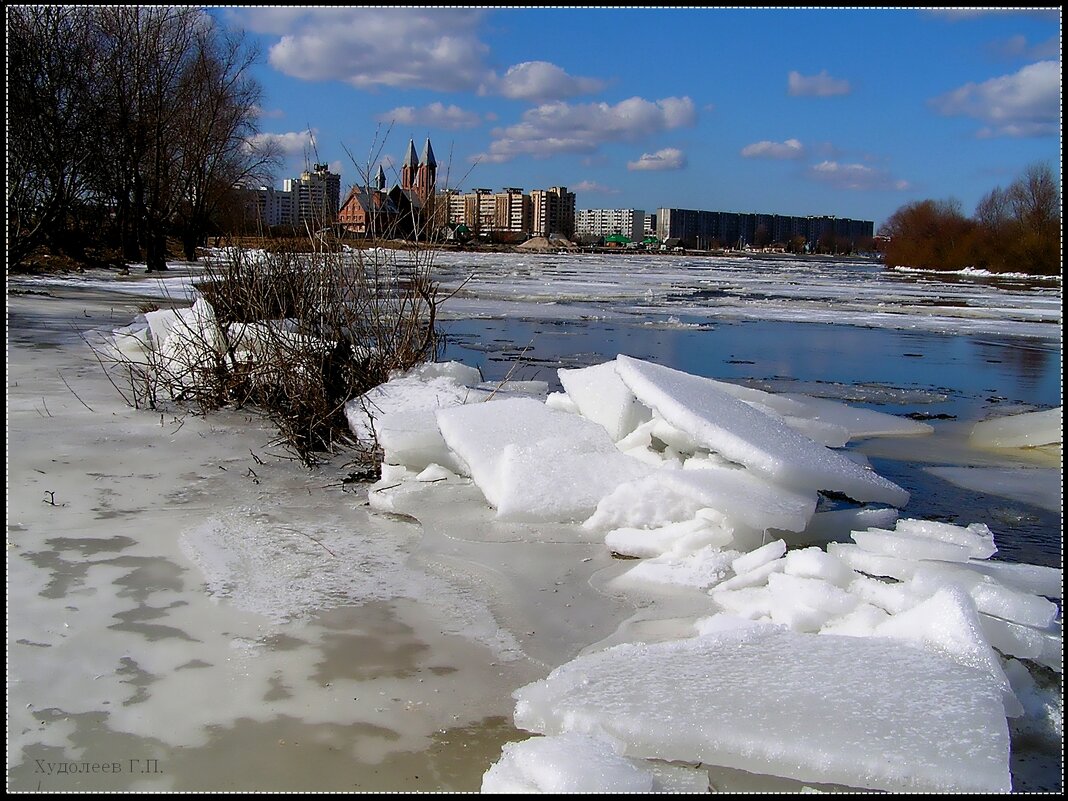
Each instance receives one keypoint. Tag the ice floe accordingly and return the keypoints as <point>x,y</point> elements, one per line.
<point>877,661</point>
<point>849,646</point>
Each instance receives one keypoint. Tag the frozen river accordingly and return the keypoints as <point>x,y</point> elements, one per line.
<point>197,612</point>
<point>950,350</point>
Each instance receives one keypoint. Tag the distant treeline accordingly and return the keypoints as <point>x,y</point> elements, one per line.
<point>127,126</point>
<point>1017,229</point>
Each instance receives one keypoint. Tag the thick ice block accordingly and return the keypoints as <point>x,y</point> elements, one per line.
<point>602,397</point>
<point>739,432</point>
<point>1020,430</point>
<point>670,495</point>
<point>533,463</point>
<point>863,712</point>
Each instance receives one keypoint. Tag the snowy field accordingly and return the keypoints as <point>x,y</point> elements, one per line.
<point>807,573</point>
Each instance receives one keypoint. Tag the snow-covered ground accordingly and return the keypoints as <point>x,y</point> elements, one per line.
<point>181,591</point>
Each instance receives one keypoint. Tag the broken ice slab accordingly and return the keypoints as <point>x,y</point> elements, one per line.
<point>908,546</point>
<point>580,763</point>
<point>743,434</point>
<point>864,712</point>
<point>1027,430</point>
<point>398,415</point>
<point>669,495</point>
<point>602,397</point>
<point>859,422</point>
<point>534,463</point>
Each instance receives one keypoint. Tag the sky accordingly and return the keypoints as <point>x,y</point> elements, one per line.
<point>851,112</point>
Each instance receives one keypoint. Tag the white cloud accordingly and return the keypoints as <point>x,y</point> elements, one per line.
<point>670,158</point>
<point>274,114</point>
<point>958,14</point>
<point>290,144</point>
<point>595,188</point>
<point>538,82</point>
<point>436,115</point>
<point>429,48</point>
<point>855,177</point>
<point>821,85</point>
<point>1026,103</point>
<point>790,149</point>
<point>1019,47</point>
<point>559,127</point>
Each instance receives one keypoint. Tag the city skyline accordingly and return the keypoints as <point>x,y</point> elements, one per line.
<point>840,112</point>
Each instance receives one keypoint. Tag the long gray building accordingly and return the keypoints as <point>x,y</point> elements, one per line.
<point>711,229</point>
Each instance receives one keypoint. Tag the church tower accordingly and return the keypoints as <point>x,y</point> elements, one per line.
<point>427,173</point>
<point>409,167</point>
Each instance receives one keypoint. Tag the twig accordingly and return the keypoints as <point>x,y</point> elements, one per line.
<point>516,364</point>
<point>310,537</point>
<point>75,394</point>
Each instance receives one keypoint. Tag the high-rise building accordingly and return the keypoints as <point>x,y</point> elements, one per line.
<point>554,212</point>
<point>316,196</point>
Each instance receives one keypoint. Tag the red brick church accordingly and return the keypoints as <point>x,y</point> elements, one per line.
<point>403,212</point>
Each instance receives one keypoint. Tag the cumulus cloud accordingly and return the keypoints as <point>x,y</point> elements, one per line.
<point>429,48</point>
<point>595,188</point>
<point>538,82</point>
<point>553,128</point>
<point>670,158</point>
<point>289,144</point>
<point>790,149</point>
<point>855,177</point>
<point>1025,103</point>
<point>820,85</point>
<point>435,115</point>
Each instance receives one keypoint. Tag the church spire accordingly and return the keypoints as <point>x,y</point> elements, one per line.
<point>428,155</point>
<point>409,167</point>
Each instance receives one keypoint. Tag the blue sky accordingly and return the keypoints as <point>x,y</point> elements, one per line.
<point>850,112</point>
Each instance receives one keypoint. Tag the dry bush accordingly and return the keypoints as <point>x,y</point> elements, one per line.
<point>292,335</point>
<point>296,329</point>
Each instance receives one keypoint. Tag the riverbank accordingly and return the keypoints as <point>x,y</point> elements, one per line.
<point>198,612</point>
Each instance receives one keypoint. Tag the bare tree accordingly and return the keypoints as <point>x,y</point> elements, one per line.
<point>217,151</point>
<point>52,122</point>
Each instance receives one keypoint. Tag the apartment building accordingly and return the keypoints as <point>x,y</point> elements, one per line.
<point>508,211</point>
<point>554,212</point>
<point>709,229</point>
<point>316,196</point>
<point>606,222</point>
<point>313,198</point>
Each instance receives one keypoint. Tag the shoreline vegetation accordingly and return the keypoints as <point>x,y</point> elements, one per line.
<point>1017,229</point>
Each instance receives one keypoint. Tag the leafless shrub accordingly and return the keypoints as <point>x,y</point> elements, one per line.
<point>293,335</point>
<point>293,330</point>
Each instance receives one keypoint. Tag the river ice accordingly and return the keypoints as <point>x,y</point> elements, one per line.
<point>223,605</point>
